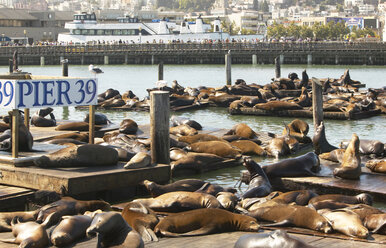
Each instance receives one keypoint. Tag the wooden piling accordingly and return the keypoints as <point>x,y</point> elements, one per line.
<point>317,111</point>
<point>161,70</point>
<point>91,125</point>
<point>10,64</point>
<point>15,133</point>
<point>42,61</point>
<point>277,67</point>
<point>64,68</point>
<point>228,68</point>
<point>159,127</point>
<point>26,117</point>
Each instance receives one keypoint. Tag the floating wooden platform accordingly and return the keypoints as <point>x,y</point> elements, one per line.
<point>305,113</point>
<point>147,109</point>
<point>13,198</point>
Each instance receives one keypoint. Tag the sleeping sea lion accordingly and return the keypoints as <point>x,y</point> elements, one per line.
<point>361,198</point>
<point>218,148</point>
<point>377,165</point>
<point>242,130</point>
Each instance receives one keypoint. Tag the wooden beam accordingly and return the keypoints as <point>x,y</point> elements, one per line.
<point>15,133</point>
<point>161,70</point>
<point>26,117</point>
<point>228,68</point>
<point>91,125</point>
<point>317,101</point>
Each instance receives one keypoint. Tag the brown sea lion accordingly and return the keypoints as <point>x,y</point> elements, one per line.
<point>141,219</point>
<point>65,142</point>
<point>113,231</point>
<point>189,185</point>
<point>278,147</point>
<point>346,222</point>
<point>198,138</point>
<point>113,102</point>
<point>128,126</point>
<point>218,148</point>
<point>183,130</point>
<point>299,197</point>
<point>334,156</point>
<point>75,126</point>
<point>70,229</point>
<point>299,130</point>
<point>25,137</point>
<point>362,210</point>
<point>39,120</point>
<point>214,189</point>
<point>320,142</point>
<point>140,160</point>
<point>223,100</point>
<point>3,126</point>
<point>78,156</point>
<point>180,201</point>
<point>177,153</point>
<point>249,147</point>
<point>304,99</point>
<point>298,216</point>
<point>351,162</point>
<point>259,184</point>
<point>204,221</point>
<point>242,130</point>
<point>328,204</point>
<point>376,223</point>
<point>7,217</point>
<point>377,165</point>
<point>76,136</point>
<point>304,165</point>
<point>367,147</point>
<point>227,200</point>
<point>361,198</point>
<point>275,239</point>
<point>277,106</point>
<point>178,120</point>
<point>109,93</point>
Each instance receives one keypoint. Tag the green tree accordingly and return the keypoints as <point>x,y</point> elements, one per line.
<point>306,32</point>
<point>293,30</point>
<point>276,31</point>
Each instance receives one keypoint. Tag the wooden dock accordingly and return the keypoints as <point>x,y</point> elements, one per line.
<point>13,198</point>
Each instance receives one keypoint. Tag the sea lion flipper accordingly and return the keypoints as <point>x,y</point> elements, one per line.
<point>147,234</point>
<point>379,227</point>
<point>9,241</point>
<point>202,231</point>
<point>280,223</point>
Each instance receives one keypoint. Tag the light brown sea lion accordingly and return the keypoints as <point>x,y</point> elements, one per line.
<point>376,223</point>
<point>304,165</point>
<point>298,216</point>
<point>299,130</point>
<point>69,206</point>
<point>183,130</point>
<point>277,106</point>
<point>65,142</point>
<point>335,155</point>
<point>377,165</point>
<point>128,126</point>
<point>178,120</point>
<point>361,198</point>
<point>7,217</point>
<point>223,100</point>
<point>259,184</point>
<point>362,210</point>
<point>227,200</point>
<point>113,102</point>
<point>204,221</point>
<point>249,147</point>
<point>177,153</point>
<point>70,229</point>
<point>78,156</point>
<point>351,162</point>
<point>141,219</point>
<point>76,136</point>
<point>75,126</point>
<point>304,99</point>
<point>180,201</point>
<point>189,185</point>
<point>113,231</point>
<point>275,239</point>
<point>218,148</point>
<point>299,197</point>
<point>140,160</point>
<point>278,147</point>
<point>198,138</point>
<point>346,222</point>
<point>242,130</point>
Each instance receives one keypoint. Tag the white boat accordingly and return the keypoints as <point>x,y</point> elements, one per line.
<point>85,29</point>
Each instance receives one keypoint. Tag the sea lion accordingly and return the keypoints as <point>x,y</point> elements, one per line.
<point>328,204</point>
<point>70,229</point>
<point>367,147</point>
<point>65,142</point>
<point>198,138</point>
<point>39,120</point>
<point>346,222</point>
<point>141,219</point>
<point>362,210</point>
<point>113,231</point>
<point>83,155</point>
<point>298,216</point>
<point>204,221</point>
<point>299,130</point>
<point>277,106</point>
<point>180,201</point>
<point>249,147</point>
<point>377,165</point>
<point>25,137</point>
<point>299,197</point>
<point>218,148</point>
<point>334,156</point>
<point>7,217</point>
<point>69,206</point>
<point>361,198</point>
<point>320,142</point>
<point>140,160</point>
<point>189,185</point>
<point>304,165</point>
<point>275,239</point>
<point>376,223</point>
<point>304,99</point>
<point>113,102</point>
<point>100,119</point>
<point>351,162</point>
<point>242,130</point>
<point>109,93</point>
<point>278,147</point>
<point>128,126</point>
<point>84,137</point>
<point>3,126</point>
<point>177,153</point>
<point>214,189</point>
<point>176,121</point>
<point>259,184</point>
<point>183,130</point>
<point>227,200</point>
<point>74,126</point>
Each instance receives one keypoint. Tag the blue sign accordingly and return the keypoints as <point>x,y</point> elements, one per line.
<point>18,94</point>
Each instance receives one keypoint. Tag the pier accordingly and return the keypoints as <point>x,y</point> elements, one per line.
<point>332,53</point>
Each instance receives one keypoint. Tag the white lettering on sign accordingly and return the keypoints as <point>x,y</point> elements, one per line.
<point>19,94</point>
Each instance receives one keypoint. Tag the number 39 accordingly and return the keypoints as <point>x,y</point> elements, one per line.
<point>89,88</point>
<point>6,93</point>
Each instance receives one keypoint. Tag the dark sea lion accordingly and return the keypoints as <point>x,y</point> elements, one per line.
<point>141,219</point>
<point>335,155</point>
<point>3,126</point>
<point>275,239</point>
<point>69,206</point>
<point>113,231</point>
<point>361,198</point>
<point>178,120</point>
<point>177,153</point>
<point>328,204</point>
<point>113,102</point>
<point>109,93</point>
<point>198,138</point>
<point>367,147</point>
<point>7,217</point>
<point>376,223</point>
<point>320,142</point>
<point>277,106</point>
<point>128,126</point>
<point>259,184</point>
<point>100,119</point>
<point>180,201</point>
<point>277,147</point>
<point>298,216</point>
<point>214,189</point>
<point>39,120</point>
<point>78,156</point>
<point>299,197</point>
<point>218,148</point>
<point>346,222</point>
<point>75,126</point>
<point>249,147</point>
<point>44,197</point>
<point>70,229</point>
<point>189,185</point>
<point>350,167</point>
<point>183,130</point>
<point>198,162</point>
<point>377,165</point>
<point>25,137</point>
<point>242,130</point>
<point>304,165</point>
<point>204,221</point>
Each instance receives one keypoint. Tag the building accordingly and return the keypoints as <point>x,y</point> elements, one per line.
<point>250,20</point>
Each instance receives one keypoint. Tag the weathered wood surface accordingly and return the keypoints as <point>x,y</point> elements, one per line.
<point>13,198</point>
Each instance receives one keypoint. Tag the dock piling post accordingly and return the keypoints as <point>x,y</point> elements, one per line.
<point>277,67</point>
<point>254,59</point>
<point>161,70</point>
<point>26,117</point>
<point>10,63</point>
<point>309,59</point>
<point>159,127</point>
<point>317,109</point>
<point>336,59</point>
<point>15,133</point>
<point>228,68</point>
<point>152,59</point>
<point>42,61</point>
<point>91,124</point>
<point>64,67</point>
<point>126,59</point>
<point>106,60</point>
<point>281,57</point>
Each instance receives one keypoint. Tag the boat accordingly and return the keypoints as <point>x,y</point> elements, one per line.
<point>86,29</point>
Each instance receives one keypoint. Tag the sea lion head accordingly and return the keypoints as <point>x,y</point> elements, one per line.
<point>248,223</point>
<point>227,200</point>
<point>105,222</point>
<point>365,198</point>
<point>324,226</point>
<point>316,168</point>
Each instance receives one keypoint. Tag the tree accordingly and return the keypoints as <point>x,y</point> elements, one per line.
<point>264,6</point>
<point>255,5</point>
<point>306,32</point>
<point>293,30</point>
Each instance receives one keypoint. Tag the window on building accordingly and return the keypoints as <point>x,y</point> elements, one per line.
<point>100,32</point>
